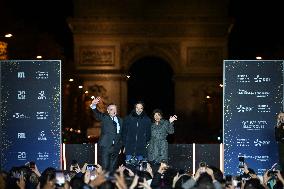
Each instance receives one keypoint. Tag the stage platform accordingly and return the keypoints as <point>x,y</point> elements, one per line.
<point>181,156</point>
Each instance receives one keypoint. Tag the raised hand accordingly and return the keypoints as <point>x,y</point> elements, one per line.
<point>144,184</point>
<point>96,100</point>
<point>99,169</point>
<point>21,182</point>
<point>134,182</point>
<point>173,118</point>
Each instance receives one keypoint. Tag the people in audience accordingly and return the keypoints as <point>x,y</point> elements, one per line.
<point>159,176</point>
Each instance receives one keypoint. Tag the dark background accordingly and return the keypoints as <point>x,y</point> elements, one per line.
<point>41,28</point>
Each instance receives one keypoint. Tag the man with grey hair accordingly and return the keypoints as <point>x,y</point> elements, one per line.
<point>110,141</point>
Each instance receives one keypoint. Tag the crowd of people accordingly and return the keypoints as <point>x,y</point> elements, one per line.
<point>148,176</point>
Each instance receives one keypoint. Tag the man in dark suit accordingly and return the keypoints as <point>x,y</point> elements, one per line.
<point>110,141</point>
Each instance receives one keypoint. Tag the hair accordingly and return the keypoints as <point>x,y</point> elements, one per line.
<point>218,175</point>
<point>76,182</point>
<point>157,111</point>
<point>34,180</point>
<point>111,104</point>
<point>139,102</point>
<point>203,180</point>
<point>253,183</point>
<point>47,175</point>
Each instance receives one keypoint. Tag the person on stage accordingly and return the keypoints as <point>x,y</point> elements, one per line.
<point>279,136</point>
<point>158,145</point>
<point>110,141</point>
<point>136,134</point>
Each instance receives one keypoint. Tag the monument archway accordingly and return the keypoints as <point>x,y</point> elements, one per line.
<point>190,38</point>
<point>151,81</point>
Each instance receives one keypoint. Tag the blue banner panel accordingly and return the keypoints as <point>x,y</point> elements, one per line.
<point>253,96</point>
<point>30,113</point>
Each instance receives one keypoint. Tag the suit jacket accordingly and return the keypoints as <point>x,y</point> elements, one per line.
<point>108,130</point>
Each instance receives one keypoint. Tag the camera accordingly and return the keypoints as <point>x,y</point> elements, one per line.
<point>143,166</point>
<point>202,166</point>
<point>241,162</point>
<point>91,167</point>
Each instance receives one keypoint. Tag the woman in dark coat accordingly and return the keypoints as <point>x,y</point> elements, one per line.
<point>158,145</point>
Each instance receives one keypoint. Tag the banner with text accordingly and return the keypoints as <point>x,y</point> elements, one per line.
<point>30,113</point>
<point>253,96</point>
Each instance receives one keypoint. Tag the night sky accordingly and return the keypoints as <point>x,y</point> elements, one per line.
<point>257,26</point>
<point>258,30</point>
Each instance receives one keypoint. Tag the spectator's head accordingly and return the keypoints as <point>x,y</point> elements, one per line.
<point>15,174</point>
<point>169,175</point>
<point>207,185</point>
<point>76,182</point>
<point>253,184</point>
<point>218,175</point>
<point>204,178</point>
<point>33,180</point>
<point>48,178</point>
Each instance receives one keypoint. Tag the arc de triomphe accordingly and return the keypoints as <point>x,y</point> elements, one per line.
<point>191,35</point>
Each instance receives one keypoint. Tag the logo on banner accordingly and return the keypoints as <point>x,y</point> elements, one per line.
<point>22,156</point>
<point>242,108</point>
<point>21,135</point>
<point>261,143</point>
<point>21,75</point>
<point>263,108</point>
<point>42,156</point>
<point>20,116</point>
<point>41,95</point>
<point>41,115</point>
<point>259,79</point>
<point>42,136</point>
<point>41,75</point>
<point>21,95</point>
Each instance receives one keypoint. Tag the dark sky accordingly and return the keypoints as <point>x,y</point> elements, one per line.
<point>257,27</point>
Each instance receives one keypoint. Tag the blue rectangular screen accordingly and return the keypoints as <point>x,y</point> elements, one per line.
<point>253,96</point>
<point>30,113</point>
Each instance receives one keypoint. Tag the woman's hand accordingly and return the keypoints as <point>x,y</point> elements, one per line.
<point>173,118</point>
